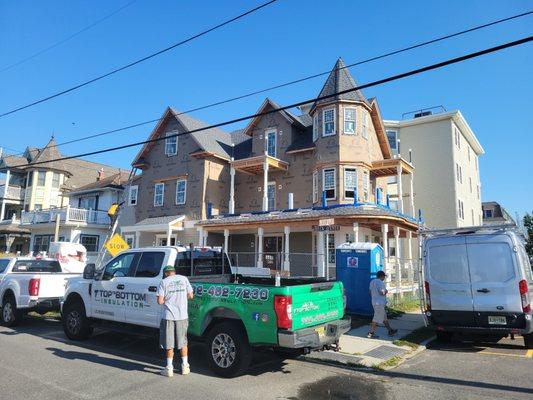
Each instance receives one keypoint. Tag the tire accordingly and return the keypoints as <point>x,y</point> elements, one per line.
<point>444,337</point>
<point>76,325</point>
<point>228,352</point>
<point>528,341</point>
<point>10,315</point>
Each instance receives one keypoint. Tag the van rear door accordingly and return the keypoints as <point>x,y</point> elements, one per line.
<point>494,275</point>
<point>446,271</point>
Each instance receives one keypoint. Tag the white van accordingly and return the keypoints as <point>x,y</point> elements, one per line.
<point>478,280</point>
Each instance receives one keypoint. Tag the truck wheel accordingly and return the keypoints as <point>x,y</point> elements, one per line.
<point>444,337</point>
<point>10,315</point>
<point>75,322</point>
<point>528,341</point>
<point>229,353</point>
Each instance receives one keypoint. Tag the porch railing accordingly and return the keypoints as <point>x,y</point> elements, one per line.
<point>66,214</point>
<point>13,192</point>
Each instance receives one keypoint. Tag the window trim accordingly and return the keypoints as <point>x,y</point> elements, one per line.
<point>44,179</point>
<point>395,148</point>
<point>184,192</point>
<point>136,188</point>
<point>90,236</point>
<point>347,132</point>
<point>175,138</point>
<point>54,174</point>
<point>354,190</point>
<point>269,184</point>
<point>334,182</point>
<point>333,133</point>
<point>162,194</point>
<point>267,136</point>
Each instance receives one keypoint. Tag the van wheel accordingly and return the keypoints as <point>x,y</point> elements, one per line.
<point>75,322</point>
<point>229,353</point>
<point>10,315</point>
<point>528,341</point>
<point>444,337</point>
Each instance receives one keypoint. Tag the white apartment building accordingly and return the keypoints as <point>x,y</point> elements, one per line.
<point>445,151</point>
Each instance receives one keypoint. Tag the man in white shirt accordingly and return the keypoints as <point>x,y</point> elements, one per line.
<point>378,292</point>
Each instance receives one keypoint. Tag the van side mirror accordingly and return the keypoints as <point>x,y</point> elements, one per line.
<point>88,271</point>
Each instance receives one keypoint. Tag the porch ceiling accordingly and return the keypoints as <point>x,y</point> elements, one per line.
<point>389,167</point>
<point>254,165</point>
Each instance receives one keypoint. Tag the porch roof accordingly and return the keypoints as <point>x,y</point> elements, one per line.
<point>157,224</point>
<point>389,167</point>
<point>254,165</point>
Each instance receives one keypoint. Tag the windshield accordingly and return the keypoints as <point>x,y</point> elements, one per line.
<point>3,264</point>
<point>205,262</point>
<point>37,266</point>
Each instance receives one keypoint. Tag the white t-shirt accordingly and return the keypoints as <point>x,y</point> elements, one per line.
<point>174,289</point>
<point>378,291</point>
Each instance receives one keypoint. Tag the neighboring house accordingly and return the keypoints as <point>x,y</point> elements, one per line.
<point>495,214</point>
<point>37,189</point>
<point>261,190</point>
<point>445,151</point>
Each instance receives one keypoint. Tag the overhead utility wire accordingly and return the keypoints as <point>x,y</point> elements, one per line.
<point>301,79</point>
<point>300,103</point>
<point>131,64</point>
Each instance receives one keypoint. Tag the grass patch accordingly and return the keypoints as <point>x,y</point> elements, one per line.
<point>390,363</point>
<point>400,305</point>
<point>50,314</point>
<point>416,337</point>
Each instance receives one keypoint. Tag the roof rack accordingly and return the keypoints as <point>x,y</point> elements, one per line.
<point>468,229</point>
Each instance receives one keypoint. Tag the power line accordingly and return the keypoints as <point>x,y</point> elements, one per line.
<point>232,99</point>
<point>131,64</point>
<point>31,57</point>
<point>300,103</point>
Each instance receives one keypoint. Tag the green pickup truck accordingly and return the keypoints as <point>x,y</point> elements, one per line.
<point>231,312</point>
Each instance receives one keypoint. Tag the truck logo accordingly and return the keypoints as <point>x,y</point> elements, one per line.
<point>119,298</point>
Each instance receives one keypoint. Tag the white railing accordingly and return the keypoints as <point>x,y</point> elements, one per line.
<point>66,214</point>
<point>13,192</point>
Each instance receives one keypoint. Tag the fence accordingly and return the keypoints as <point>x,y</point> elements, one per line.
<point>65,214</point>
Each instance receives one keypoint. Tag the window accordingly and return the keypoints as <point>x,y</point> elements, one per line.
<point>366,186</point>
<point>205,262</point>
<point>459,172</point>
<point>159,194</point>
<point>88,203</point>
<point>350,182</point>
<point>448,264</point>
<point>271,143</point>
<point>473,222</point>
<point>90,242</point>
<point>3,265</point>
<point>30,178</point>
<point>392,137</point>
<point>181,191</point>
<point>487,213</point>
<point>468,148</point>
<point>149,265</point>
<point>130,240</point>
<point>329,122</point>
<point>171,144</point>
<point>364,127</point>
<point>120,266</point>
<point>330,249</point>
<point>271,195</point>
<point>349,121</point>
<point>328,183</point>
<point>315,127</point>
<point>41,243</point>
<point>315,186</point>
<point>41,177</point>
<point>457,138</point>
<point>37,207</point>
<point>132,199</point>
<point>490,262</point>
<point>37,266</point>
<point>460,209</point>
<point>55,180</point>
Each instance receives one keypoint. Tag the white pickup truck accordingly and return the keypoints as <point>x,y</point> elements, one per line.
<point>30,284</point>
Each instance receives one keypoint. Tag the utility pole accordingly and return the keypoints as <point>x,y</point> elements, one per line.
<point>56,233</point>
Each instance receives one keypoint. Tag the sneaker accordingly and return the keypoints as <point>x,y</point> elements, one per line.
<point>372,335</point>
<point>185,369</point>
<point>392,332</point>
<point>168,372</point>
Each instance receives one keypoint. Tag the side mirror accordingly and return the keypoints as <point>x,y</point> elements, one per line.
<point>88,271</point>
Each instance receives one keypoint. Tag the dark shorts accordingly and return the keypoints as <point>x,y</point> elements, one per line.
<point>173,334</point>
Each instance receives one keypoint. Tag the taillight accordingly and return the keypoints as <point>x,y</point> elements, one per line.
<point>33,287</point>
<point>524,295</point>
<point>428,297</point>
<point>283,309</point>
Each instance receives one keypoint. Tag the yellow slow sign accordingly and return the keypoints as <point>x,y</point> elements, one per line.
<point>116,245</point>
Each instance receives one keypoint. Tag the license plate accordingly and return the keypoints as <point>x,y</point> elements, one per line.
<point>497,320</point>
<point>321,331</point>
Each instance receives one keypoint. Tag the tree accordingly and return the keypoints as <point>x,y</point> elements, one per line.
<point>528,224</point>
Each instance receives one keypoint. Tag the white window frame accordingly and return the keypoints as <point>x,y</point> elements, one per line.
<point>267,135</point>
<point>346,131</point>
<point>133,189</point>
<point>167,143</point>
<point>353,189</point>
<point>161,185</point>
<point>460,206</point>
<point>366,186</point>
<point>271,184</point>
<point>184,191</point>
<point>364,125</point>
<point>333,132</point>
<point>315,127</point>
<point>315,187</point>
<point>334,182</point>
<point>459,173</point>
<point>395,148</point>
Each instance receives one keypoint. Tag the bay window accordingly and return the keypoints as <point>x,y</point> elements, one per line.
<point>328,183</point>
<point>329,122</point>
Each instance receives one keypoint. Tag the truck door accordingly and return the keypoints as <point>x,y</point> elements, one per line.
<point>108,294</point>
<point>142,308</point>
<point>447,273</point>
<point>494,276</point>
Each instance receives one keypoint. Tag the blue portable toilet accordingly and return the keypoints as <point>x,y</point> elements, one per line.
<point>357,264</point>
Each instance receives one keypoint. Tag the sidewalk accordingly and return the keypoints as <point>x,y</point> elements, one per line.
<point>357,349</point>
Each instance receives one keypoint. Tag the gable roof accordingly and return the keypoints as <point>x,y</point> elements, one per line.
<point>377,121</point>
<point>339,79</point>
<point>116,181</point>
<point>293,120</point>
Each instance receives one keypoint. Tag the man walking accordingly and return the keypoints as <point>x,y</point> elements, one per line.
<point>378,292</point>
<point>173,293</point>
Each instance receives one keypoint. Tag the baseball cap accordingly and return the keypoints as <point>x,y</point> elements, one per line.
<point>381,273</point>
<point>169,268</point>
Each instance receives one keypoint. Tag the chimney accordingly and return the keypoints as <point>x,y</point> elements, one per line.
<point>100,174</point>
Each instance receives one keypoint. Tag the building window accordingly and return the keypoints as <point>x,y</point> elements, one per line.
<point>364,127</point>
<point>41,243</point>
<point>55,180</point>
<point>271,195</point>
<point>468,148</point>
<point>330,248</point>
<point>366,186</point>
<point>459,173</point>
<point>315,128</point>
<point>134,190</point>
<point>329,122</point>
<point>181,191</point>
<point>487,214</point>
<point>315,187</point>
<point>159,194</point>
<point>41,178</point>
<point>473,222</point>
<point>90,242</point>
<point>460,209</point>
<point>271,143</point>
<point>349,121</point>
<point>350,182</point>
<point>392,137</point>
<point>458,138</point>
<point>328,183</point>
<point>130,240</point>
<point>37,207</point>
<point>171,144</point>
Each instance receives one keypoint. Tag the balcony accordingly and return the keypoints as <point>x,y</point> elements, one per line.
<point>66,214</point>
<point>13,193</point>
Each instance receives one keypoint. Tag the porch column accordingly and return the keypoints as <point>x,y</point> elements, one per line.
<point>265,184</point>
<point>398,259</point>
<point>410,263</point>
<point>356,232</point>
<point>200,236</point>
<point>321,257</point>
<point>9,242</point>
<point>411,195</point>
<point>286,262</point>
<point>260,232</point>
<point>400,188</point>
<point>169,234</point>
<point>231,206</point>
<point>385,239</point>
<point>6,186</point>
<point>226,240</point>
<point>206,234</point>
<point>137,239</point>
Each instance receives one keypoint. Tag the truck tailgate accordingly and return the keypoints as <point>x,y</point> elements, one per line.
<point>52,285</point>
<point>316,303</point>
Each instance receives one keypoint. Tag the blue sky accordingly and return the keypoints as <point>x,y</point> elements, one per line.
<point>285,41</point>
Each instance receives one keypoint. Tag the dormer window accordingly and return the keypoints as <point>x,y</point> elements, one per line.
<point>349,121</point>
<point>270,137</point>
<point>329,122</point>
<point>171,144</point>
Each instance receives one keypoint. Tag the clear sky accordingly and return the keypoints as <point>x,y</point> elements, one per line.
<point>285,41</point>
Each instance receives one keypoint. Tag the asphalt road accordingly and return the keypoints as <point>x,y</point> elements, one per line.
<point>37,362</point>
